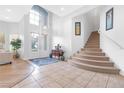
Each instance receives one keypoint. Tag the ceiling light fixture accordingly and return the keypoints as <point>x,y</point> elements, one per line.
<point>44,27</point>
<point>8,10</point>
<point>62,9</point>
<point>7,17</point>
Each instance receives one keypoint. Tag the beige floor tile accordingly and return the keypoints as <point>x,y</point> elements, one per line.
<point>45,81</point>
<point>39,76</point>
<point>52,85</point>
<point>116,81</point>
<point>4,85</point>
<point>71,77</point>
<point>36,71</point>
<point>56,76</point>
<point>98,81</point>
<point>63,81</point>
<point>31,85</point>
<point>73,85</point>
<point>84,78</point>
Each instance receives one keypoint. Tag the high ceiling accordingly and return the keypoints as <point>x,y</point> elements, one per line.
<point>62,10</point>
<point>14,13</point>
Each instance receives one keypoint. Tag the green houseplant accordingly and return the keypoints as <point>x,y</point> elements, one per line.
<point>16,44</point>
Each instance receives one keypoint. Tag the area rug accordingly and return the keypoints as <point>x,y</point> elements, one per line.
<point>43,61</point>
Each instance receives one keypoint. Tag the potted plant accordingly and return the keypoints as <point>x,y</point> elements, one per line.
<point>16,44</point>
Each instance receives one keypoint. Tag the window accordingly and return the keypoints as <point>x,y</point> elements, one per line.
<point>34,17</point>
<point>34,42</point>
<point>39,17</point>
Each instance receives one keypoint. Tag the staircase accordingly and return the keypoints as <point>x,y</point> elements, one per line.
<point>92,58</point>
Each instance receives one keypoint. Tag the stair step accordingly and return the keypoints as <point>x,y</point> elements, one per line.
<point>91,49</point>
<point>93,38</point>
<point>91,46</point>
<point>93,62</point>
<point>92,53</point>
<point>110,70</point>
<point>92,43</point>
<point>93,57</point>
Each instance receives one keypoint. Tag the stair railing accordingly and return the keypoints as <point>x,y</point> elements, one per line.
<point>111,39</point>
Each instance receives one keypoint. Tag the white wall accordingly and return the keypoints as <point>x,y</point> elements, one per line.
<point>67,36</point>
<point>116,34</point>
<point>24,28</point>
<point>8,28</point>
<point>77,42</point>
<point>61,33</point>
<point>64,31</point>
<point>89,23</point>
<point>57,30</point>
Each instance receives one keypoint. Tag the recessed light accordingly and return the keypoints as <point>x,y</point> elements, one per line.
<point>44,27</point>
<point>7,17</point>
<point>62,9</point>
<point>8,10</point>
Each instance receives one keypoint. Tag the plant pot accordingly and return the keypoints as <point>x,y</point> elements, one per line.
<point>50,55</point>
<point>16,55</point>
<point>62,58</point>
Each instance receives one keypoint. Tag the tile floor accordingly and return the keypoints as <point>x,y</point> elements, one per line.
<point>63,75</point>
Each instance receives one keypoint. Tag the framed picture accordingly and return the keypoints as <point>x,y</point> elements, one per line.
<point>109,19</point>
<point>77,28</point>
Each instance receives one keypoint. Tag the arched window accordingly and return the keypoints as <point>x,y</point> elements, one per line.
<point>38,15</point>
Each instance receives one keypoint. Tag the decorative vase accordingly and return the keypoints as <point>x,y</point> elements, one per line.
<point>62,58</point>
